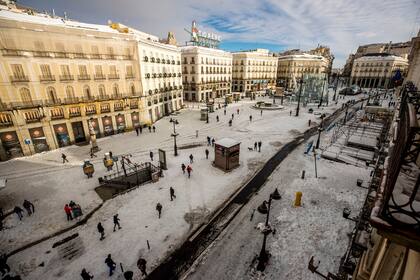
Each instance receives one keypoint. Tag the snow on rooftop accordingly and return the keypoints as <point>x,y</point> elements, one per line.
<point>227,142</point>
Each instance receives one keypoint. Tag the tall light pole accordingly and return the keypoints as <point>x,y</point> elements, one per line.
<point>320,128</point>
<point>174,135</point>
<point>264,208</point>
<point>300,92</point>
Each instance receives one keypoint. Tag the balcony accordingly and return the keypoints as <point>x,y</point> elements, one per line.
<point>84,77</point>
<point>19,79</point>
<point>50,102</point>
<point>28,104</point>
<point>41,54</point>
<point>117,96</point>
<point>74,112</point>
<point>103,97</point>
<point>47,78</point>
<point>7,52</point>
<point>98,77</point>
<point>73,100</point>
<point>129,76</point>
<point>90,109</point>
<point>105,108</point>
<point>95,56</point>
<point>32,116</point>
<point>113,77</point>
<point>61,55</point>
<point>57,113</point>
<point>118,106</point>
<point>66,78</point>
<point>79,55</point>
<point>134,105</point>
<point>5,120</point>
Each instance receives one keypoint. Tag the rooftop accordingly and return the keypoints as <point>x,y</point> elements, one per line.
<point>227,142</point>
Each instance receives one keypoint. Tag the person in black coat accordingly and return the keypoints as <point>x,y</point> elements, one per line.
<point>101,230</point>
<point>111,264</point>
<point>128,275</point>
<point>151,155</point>
<point>207,154</point>
<point>30,208</point>
<point>4,267</point>
<point>18,212</point>
<point>141,264</point>
<point>116,221</point>
<point>172,193</point>
<point>86,275</point>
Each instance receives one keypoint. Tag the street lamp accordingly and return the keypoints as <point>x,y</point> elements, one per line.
<point>174,135</point>
<point>300,92</point>
<point>264,208</point>
<point>320,128</point>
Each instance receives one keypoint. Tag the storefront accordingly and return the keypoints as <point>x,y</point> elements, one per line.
<point>135,119</point>
<point>38,140</point>
<point>120,120</point>
<point>95,126</point>
<point>11,145</point>
<point>78,131</point>
<point>107,123</point>
<point>62,134</point>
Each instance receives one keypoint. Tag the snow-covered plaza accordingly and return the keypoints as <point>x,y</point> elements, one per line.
<point>49,184</point>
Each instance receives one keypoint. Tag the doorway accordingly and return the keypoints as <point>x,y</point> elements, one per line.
<point>79,133</point>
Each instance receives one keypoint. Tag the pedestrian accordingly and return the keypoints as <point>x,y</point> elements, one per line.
<point>309,122</point>
<point>116,222</point>
<point>128,275</point>
<point>290,112</point>
<point>150,128</point>
<point>64,157</point>
<point>191,158</point>
<point>224,112</point>
<point>110,154</point>
<point>111,264</point>
<point>4,267</point>
<point>207,154</point>
<point>141,264</point>
<point>151,155</point>
<point>67,209</point>
<point>250,118</point>
<point>159,208</point>
<point>86,275</point>
<point>261,112</point>
<point>208,140</point>
<point>18,212</point>
<point>101,230</point>
<point>92,153</point>
<point>172,193</point>
<point>189,169</point>
<point>237,110</point>
<point>183,168</point>
<point>212,142</point>
<point>141,129</point>
<point>230,122</point>
<point>137,131</point>
<point>232,116</point>
<point>255,146</point>
<point>217,118</point>
<point>30,208</point>
<point>154,129</point>
<point>259,146</point>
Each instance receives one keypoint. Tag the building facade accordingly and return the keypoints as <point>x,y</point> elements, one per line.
<point>377,70</point>
<point>59,76</point>
<point>413,74</point>
<point>253,71</point>
<point>206,72</point>
<point>291,68</point>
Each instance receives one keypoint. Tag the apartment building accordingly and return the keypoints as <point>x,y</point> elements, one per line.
<point>207,73</point>
<point>59,75</point>
<point>253,72</point>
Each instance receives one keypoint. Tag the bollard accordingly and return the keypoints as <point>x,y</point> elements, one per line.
<point>148,245</point>
<point>303,174</point>
<point>298,199</point>
<point>196,134</point>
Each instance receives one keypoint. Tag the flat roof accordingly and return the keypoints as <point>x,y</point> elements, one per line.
<point>227,142</point>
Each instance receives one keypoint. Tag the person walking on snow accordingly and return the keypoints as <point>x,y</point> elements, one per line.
<point>159,208</point>
<point>255,146</point>
<point>30,208</point>
<point>212,142</point>
<point>250,118</point>
<point>150,128</point>
<point>208,140</point>
<point>232,116</point>
<point>309,122</point>
<point>172,193</point>
<point>140,129</point>
<point>141,264</point>
<point>261,112</point>
<point>237,110</point>
<point>189,169</point>
<point>224,112</point>
<point>151,155</point>
<point>116,221</point>
<point>290,112</point>
<point>101,230</point>
<point>183,168</point>
<point>64,157</point>
<point>67,209</point>
<point>191,158</point>
<point>137,131</point>
<point>111,264</point>
<point>259,146</point>
<point>217,118</point>
<point>207,154</point>
<point>154,129</point>
<point>18,212</point>
<point>86,275</point>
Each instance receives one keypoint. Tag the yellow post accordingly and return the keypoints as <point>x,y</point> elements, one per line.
<point>298,199</point>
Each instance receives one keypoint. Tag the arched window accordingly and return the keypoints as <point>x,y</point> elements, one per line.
<point>69,92</point>
<point>52,95</point>
<point>115,89</point>
<point>25,95</point>
<point>133,89</point>
<point>87,93</point>
<point>101,90</point>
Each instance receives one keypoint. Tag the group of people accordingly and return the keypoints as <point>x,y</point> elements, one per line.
<point>210,141</point>
<point>72,210</point>
<point>139,129</point>
<point>110,263</point>
<point>29,207</point>
<point>257,145</point>
<point>101,228</point>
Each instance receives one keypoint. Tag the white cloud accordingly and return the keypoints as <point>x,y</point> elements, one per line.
<point>341,24</point>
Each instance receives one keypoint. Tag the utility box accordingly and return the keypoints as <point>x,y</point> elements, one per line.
<point>204,112</point>
<point>226,154</point>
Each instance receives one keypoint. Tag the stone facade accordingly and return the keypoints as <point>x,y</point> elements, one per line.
<point>413,74</point>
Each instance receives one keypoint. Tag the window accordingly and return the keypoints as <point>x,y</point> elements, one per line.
<point>95,52</point>
<point>65,70</point>
<point>17,70</point>
<point>133,89</point>
<point>86,92</point>
<point>185,60</point>
<point>98,70</point>
<point>25,95</point>
<point>45,70</point>
<point>52,96</point>
<point>69,92</point>
<point>110,52</point>
<point>113,70</point>
<point>101,90</point>
<point>192,60</point>
<point>115,89</point>
<point>83,70</point>
<point>129,71</point>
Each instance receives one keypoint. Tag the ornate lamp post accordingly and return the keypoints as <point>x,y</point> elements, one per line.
<point>174,135</point>
<point>264,208</point>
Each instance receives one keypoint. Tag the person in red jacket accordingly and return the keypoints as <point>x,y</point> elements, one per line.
<point>67,209</point>
<point>189,169</point>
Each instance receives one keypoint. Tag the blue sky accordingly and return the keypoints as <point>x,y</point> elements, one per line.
<point>343,25</point>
